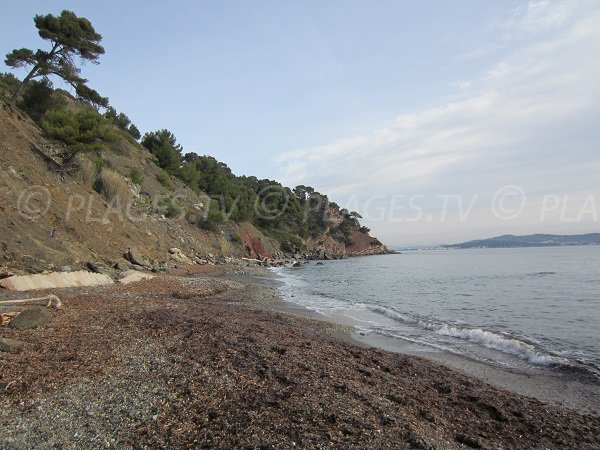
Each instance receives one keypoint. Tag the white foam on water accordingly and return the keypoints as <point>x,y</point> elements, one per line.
<point>488,339</point>
<point>390,313</point>
<point>501,343</point>
<point>296,290</point>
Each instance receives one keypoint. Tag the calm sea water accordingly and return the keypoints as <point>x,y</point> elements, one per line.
<point>509,307</point>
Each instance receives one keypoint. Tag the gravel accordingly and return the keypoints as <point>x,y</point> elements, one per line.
<point>204,360</point>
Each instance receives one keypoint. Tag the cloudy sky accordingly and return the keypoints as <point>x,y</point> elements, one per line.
<point>438,121</point>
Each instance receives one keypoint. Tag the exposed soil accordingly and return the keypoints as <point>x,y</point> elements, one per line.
<point>202,360</point>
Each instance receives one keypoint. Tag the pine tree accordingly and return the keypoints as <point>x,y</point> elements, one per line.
<point>70,37</point>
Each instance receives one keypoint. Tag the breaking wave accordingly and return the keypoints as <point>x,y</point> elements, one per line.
<point>488,339</point>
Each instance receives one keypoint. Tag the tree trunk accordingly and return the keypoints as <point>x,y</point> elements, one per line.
<point>33,73</point>
<point>29,76</point>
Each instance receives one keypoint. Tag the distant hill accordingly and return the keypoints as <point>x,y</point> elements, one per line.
<point>532,240</point>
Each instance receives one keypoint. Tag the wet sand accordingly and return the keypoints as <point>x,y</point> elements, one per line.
<point>199,359</point>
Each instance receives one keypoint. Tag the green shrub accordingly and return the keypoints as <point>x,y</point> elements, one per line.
<point>214,217</point>
<point>81,131</point>
<point>9,82</point>
<point>173,211</point>
<point>164,178</point>
<point>100,164</point>
<point>136,176</point>
<point>288,242</point>
<point>236,238</point>
<point>38,98</point>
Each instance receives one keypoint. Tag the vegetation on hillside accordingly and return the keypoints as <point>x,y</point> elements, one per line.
<point>291,216</point>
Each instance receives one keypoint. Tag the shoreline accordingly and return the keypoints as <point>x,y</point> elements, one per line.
<point>203,356</point>
<point>557,387</point>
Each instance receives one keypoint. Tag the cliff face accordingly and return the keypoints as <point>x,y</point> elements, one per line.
<point>52,217</point>
<point>362,244</point>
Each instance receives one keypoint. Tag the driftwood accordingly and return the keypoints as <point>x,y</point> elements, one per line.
<point>51,301</point>
<point>253,260</point>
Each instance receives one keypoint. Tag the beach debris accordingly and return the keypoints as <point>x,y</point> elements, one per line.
<point>30,318</point>
<point>10,345</point>
<point>52,301</point>
<point>132,276</point>
<point>6,317</point>
<point>55,280</point>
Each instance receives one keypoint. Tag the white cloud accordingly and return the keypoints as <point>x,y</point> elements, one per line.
<point>531,111</point>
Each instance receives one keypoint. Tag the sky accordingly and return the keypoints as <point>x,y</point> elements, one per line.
<point>437,121</point>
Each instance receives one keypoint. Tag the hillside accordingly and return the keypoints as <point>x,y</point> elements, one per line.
<point>532,240</point>
<point>106,201</point>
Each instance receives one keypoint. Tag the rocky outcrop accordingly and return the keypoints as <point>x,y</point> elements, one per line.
<point>325,247</point>
<point>136,258</point>
<point>364,244</point>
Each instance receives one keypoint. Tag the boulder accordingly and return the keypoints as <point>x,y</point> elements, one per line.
<point>132,276</point>
<point>31,318</point>
<point>10,345</point>
<point>135,258</point>
<point>54,280</point>
<point>177,255</point>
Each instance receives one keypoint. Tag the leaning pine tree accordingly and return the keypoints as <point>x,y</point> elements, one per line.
<point>71,37</point>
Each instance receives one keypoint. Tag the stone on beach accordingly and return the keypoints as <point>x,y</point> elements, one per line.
<point>10,345</point>
<point>30,318</point>
<point>54,280</point>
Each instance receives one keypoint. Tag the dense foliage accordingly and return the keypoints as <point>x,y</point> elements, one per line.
<point>122,122</point>
<point>285,214</point>
<point>163,145</point>
<point>38,98</point>
<point>81,131</point>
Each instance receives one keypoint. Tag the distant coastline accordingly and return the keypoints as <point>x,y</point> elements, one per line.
<point>532,240</point>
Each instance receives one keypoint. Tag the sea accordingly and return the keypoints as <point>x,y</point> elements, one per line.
<point>513,308</point>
